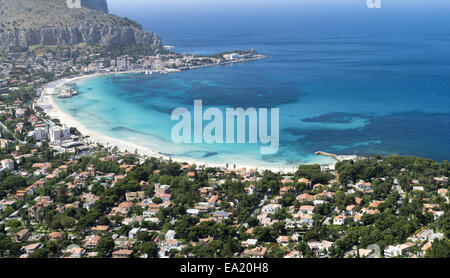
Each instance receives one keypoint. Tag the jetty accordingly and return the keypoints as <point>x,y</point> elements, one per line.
<point>335,156</point>
<point>339,157</point>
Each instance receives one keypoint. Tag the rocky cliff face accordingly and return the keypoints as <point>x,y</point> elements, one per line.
<point>99,5</point>
<point>91,34</point>
<point>52,22</point>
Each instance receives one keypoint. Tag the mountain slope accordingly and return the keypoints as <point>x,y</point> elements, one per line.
<point>50,22</point>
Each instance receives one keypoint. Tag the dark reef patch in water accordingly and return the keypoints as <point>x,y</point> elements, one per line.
<point>340,118</point>
<point>415,133</point>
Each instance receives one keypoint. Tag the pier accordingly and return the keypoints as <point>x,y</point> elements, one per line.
<point>329,155</point>
<point>339,157</point>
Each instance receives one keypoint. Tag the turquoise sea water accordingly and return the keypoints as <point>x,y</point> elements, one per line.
<point>342,88</point>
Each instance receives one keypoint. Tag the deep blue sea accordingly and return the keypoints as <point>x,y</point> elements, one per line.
<point>347,80</point>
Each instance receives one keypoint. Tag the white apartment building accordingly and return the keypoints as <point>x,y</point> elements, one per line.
<point>271,208</point>
<point>40,134</point>
<point>59,134</point>
<point>20,113</point>
<point>392,251</point>
<point>7,164</point>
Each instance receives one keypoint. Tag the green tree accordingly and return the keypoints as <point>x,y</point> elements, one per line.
<point>439,249</point>
<point>13,183</point>
<point>105,246</point>
<point>39,253</point>
<point>150,248</point>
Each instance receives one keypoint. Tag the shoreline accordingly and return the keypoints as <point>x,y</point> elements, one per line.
<point>94,137</point>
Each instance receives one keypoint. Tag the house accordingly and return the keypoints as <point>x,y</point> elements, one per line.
<point>442,179</point>
<point>305,198</point>
<point>193,212</point>
<point>257,252</point>
<point>304,220</point>
<point>29,249</point>
<point>100,230</point>
<point>20,113</point>
<point>405,247</point>
<point>122,254</point>
<point>77,252</point>
<point>22,235</point>
<point>135,196</point>
<point>442,191</point>
<point>271,208</point>
<point>123,243</point>
<point>6,203</point>
<point>370,211</point>
<point>429,235</point>
<point>161,189</point>
<point>185,167</point>
<point>213,201</point>
<point>286,181</point>
<point>320,247</point>
<point>250,189</point>
<point>221,215</point>
<point>150,213</point>
<point>283,240</point>
<point>358,200</point>
<point>293,255</point>
<point>319,202</point>
<point>349,210</point>
<point>163,253</point>
<point>144,184</point>
<point>303,180</point>
<point>5,143</point>
<point>56,236</point>
<point>437,214</point>
<point>392,251</point>
<point>170,234</point>
<point>165,197</point>
<point>364,253</point>
<point>426,246</point>
<point>206,192</point>
<point>123,208</point>
<point>7,164</point>
<point>318,186</point>
<point>203,207</point>
<point>171,244</point>
<point>91,241</point>
<point>266,221</point>
<point>375,204</point>
<point>306,209</point>
<point>132,234</point>
<point>339,220</point>
<point>363,186</point>
<point>249,242</point>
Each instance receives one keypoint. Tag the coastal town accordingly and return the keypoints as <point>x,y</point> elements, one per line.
<point>65,195</point>
<point>61,196</point>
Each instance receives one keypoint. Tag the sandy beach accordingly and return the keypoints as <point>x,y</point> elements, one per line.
<point>55,112</point>
<point>94,138</point>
